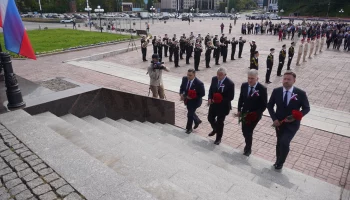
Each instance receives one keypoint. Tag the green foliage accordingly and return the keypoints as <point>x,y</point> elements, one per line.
<point>316,8</point>
<point>240,5</point>
<point>59,39</point>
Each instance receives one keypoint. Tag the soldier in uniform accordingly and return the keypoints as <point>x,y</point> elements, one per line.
<point>174,38</point>
<point>144,44</point>
<point>317,45</point>
<point>171,50</point>
<point>252,49</point>
<point>306,47</point>
<point>290,55</point>
<point>254,62</point>
<point>224,49</point>
<point>197,54</point>
<point>182,45</point>
<point>206,40</point>
<point>210,47</point>
<point>269,64</point>
<point>281,59</point>
<point>166,45</point>
<point>189,49</point>
<point>217,55</point>
<point>154,43</point>
<point>176,53</point>
<point>322,42</point>
<point>214,42</point>
<point>312,46</point>
<point>300,51</point>
<point>233,48</point>
<point>160,49</point>
<point>240,45</point>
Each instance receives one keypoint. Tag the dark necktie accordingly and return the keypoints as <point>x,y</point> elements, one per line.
<point>188,85</point>
<point>219,84</point>
<point>285,100</point>
<point>251,91</point>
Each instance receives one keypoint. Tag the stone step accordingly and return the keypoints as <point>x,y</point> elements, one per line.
<point>140,164</point>
<point>297,185</point>
<point>85,173</point>
<point>240,179</point>
<point>195,180</point>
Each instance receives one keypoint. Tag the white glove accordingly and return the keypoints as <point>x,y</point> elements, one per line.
<point>290,57</point>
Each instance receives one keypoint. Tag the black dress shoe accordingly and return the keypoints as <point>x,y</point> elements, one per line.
<point>268,82</point>
<point>188,131</point>
<point>278,166</point>
<point>212,133</point>
<point>208,67</point>
<point>247,152</point>
<point>217,64</point>
<point>197,70</point>
<point>217,142</point>
<point>196,125</point>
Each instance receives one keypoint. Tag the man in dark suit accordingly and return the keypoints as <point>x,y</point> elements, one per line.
<point>253,98</point>
<point>223,86</point>
<point>190,82</point>
<point>286,99</point>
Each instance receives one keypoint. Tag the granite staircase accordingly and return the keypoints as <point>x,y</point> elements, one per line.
<point>118,159</point>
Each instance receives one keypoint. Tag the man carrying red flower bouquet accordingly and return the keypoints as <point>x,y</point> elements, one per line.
<point>191,92</point>
<point>291,105</point>
<point>251,105</point>
<point>221,93</point>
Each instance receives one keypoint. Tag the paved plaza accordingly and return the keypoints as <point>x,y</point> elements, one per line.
<point>315,152</point>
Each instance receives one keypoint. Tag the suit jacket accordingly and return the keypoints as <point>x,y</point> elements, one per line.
<point>196,85</point>
<point>255,103</point>
<point>301,102</point>
<point>227,90</point>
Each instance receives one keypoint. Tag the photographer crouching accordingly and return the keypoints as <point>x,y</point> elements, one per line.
<point>155,71</point>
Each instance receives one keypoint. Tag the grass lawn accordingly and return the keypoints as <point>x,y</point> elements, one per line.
<point>54,39</point>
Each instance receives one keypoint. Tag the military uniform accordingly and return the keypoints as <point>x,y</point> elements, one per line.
<point>269,64</point>
<point>176,54</point>
<point>317,45</point>
<point>252,49</point>
<point>189,49</point>
<point>300,52</point>
<point>233,49</point>
<point>154,43</point>
<point>312,46</point>
<point>254,63</point>
<point>207,55</point>
<point>322,43</point>
<point>306,48</point>
<point>217,55</point>
<point>224,49</point>
<point>240,45</point>
<point>144,49</point>
<point>290,55</point>
<point>197,55</point>
<point>214,42</point>
<point>281,59</point>
<point>166,45</point>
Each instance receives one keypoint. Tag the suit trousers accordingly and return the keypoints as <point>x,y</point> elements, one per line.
<point>217,122</point>
<point>207,60</point>
<point>144,51</point>
<point>279,69</point>
<point>171,55</point>
<point>289,62</point>
<point>166,51</point>
<point>233,54</point>
<point>188,55</point>
<point>191,117</point>
<point>284,137</point>
<point>247,131</point>
<point>240,52</point>
<point>268,74</point>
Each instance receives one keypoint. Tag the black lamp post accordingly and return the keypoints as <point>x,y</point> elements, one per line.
<point>152,9</point>
<point>99,10</point>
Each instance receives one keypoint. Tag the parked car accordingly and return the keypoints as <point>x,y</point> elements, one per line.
<point>164,17</point>
<point>185,18</point>
<point>66,21</point>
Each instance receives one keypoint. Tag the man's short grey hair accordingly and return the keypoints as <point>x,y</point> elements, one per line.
<point>222,69</point>
<point>253,72</point>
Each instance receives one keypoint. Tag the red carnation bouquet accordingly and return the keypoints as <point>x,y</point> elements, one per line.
<point>248,118</point>
<point>217,97</point>
<point>296,115</point>
<point>192,94</point>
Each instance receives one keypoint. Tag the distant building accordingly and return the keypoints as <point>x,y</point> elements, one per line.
<point>272,5</point>
<point>184,5</point>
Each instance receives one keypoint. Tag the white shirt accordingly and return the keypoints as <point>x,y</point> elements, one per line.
<point>221,82</point>
<point>249,88</point>
<point>189,84</point>
<point>290,92</point>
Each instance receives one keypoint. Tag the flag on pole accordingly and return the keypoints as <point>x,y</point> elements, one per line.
<point>15,36</point>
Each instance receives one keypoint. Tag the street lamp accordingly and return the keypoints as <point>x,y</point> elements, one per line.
<point>99,10</point>
<point>88,9</point>
<point>192,11</point>
<point>41,11</point>
<point>282,11</point>
<point>152,9</point>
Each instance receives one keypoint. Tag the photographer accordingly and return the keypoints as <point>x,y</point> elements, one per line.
<point>155,71</point>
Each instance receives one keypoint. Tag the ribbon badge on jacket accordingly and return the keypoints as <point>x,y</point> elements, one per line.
<point>222,87</point>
